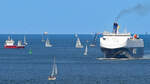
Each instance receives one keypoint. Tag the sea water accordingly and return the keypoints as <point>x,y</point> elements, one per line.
<point>17,66</point>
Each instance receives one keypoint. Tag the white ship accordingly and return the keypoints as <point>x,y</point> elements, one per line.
<point>47,43</point>
<point>78,44</point>
<point>121,45</point>
<point>54,72</point>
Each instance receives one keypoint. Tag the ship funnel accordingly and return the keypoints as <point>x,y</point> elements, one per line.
<point>115,27</point>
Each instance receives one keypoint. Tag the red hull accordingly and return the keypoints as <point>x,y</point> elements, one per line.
<point>14,46</point>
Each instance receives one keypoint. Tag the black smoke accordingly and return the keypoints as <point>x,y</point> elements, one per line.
<point>140,9</point>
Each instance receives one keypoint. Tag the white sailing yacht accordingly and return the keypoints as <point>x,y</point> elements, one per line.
<point>86,50</point>
<point>47,43</point>
<point>78,44</point>
<point>54,72</point>
<point>25,42</point>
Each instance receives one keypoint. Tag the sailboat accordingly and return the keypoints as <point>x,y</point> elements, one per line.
<point>86,50</point>
<point>76,35</point>
<point>93,44</point>
<point>25,42</point>
<point>78,44</point>
<point>19,45</point>
<point>42,38</point>
<point>54,72</point>
<point>47,43</point>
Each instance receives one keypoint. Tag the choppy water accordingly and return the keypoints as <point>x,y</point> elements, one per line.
<point>19,67</point>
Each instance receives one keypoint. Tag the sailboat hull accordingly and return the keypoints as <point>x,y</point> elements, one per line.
<point>85,53</point>
<point>79,46</point>
<point>48,45</point>
<point>51,78</point>
<point>92,45</point>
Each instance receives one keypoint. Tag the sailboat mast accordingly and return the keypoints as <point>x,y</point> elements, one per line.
<point>55,66</point>
<point>24,39</point>
<point>54,60</point>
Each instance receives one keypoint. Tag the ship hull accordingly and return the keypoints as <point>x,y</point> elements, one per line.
<point>133,52</point>
<point>13,46</point>
<point>20,46</point>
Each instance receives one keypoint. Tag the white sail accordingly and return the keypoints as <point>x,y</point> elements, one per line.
<point>47,43</point>
<point>25,42</point>
<point>54,70</point>
<point>78,44</point>
<point>86,50</point>
<point>19,43</point>
<point>55,67</point>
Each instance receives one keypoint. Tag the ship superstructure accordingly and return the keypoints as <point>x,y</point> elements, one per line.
<point>121,45</point>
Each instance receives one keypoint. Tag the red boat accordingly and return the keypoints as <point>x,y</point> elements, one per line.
<point>10,44</point>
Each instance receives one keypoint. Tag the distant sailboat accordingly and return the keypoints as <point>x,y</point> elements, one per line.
<point>42,38</point>
<point>93,44</point>
<point>54,72</point>
<point>76,35</point>
<point>86,50</point>
<point>25,42</point>
<point>19,45</point>
<point>78,44</point>
<point>47,43</point>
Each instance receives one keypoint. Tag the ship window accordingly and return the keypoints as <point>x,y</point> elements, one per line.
<point>104,38</point>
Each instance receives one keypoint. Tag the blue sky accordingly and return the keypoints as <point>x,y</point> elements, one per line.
<point>69,16</point>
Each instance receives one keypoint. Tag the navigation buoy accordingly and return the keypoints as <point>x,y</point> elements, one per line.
<point>30,51</point>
